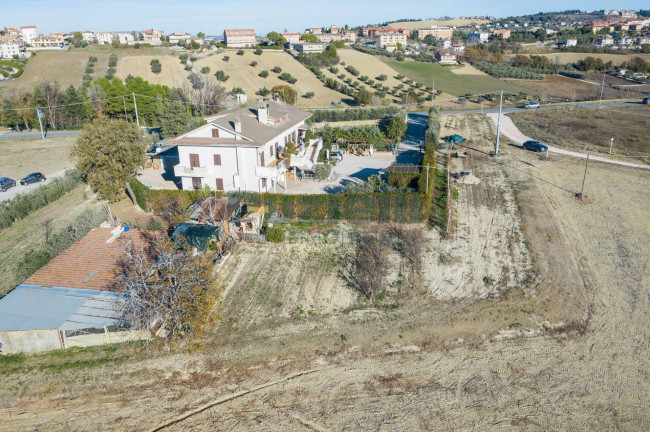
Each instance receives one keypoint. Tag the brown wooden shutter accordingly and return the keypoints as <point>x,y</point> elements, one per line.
<point>194,160</point>
<point>217,159</point>
<point>262,159</point>
<point>215,133</point>
<point>219,184</point>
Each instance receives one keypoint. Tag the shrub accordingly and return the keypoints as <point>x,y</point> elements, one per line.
<point>240,52</point>
<point>221,76</point>
<point>258,51</point>
<point>253,63</point>
<point>156,67</point>
<point>275,234</point>
<point>112,60</point>
<point>288,78</point>
<point>309,95</point>
<point>226,58</point>
<point>183,58</point>
<point>205,70</point>
<point>263,91</point>
<point>334,70</point>
<point>276,69</point>
<point>89,70</point>
<point>264,74</point>
<point>381,77</point>
<point>322,171</point>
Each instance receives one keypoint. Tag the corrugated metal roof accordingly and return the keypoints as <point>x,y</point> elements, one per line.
<point>35,307</point>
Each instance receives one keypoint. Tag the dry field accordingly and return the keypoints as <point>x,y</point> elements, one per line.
<point>245,76</point>
<point>467,69</point>
<point>616,59</point>
<point>23,156</point>
<point>577,128</point>
<point>172,74</point>
<point>455,22</point>
<point>565,349</point>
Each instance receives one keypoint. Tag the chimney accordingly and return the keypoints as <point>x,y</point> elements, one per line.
<point>237,125</point>
<point>263,113</point>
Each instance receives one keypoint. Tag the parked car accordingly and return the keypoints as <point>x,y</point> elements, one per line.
<point>532,105</point>
<point>646,101</point>
<point>535,146</point>
<point>33,178</point>
<point>6,183</point>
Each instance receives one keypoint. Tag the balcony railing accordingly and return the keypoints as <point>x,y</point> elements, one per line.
<point>186,171</point>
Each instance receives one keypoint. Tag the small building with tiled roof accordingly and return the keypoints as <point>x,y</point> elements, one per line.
<point>242,149</point>
<point>74,300</point>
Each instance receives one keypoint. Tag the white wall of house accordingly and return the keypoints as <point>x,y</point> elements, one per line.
<point>29,33</point>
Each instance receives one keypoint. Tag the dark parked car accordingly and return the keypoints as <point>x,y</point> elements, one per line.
<point>646,101</point>
<point>32,178</point>
<point>6,183</point>
<point>532,105</point>
<point>535,146</point>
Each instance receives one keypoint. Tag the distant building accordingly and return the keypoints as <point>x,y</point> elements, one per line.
<point>334,29</point>
<point>606,40</point>
<point>88,36</point>
<point>478,37</point>
<point>329,37</point>
<point>458,48</point>
<point>10,49</point>
<point>570,42</point>
<point>47,42</point>
<point>446,58</point>
<point>609,26</point>
<point>28,33</point>
<point>372,32</point>
<point>239,38</point>
<point>178,38</point>
<point>350,36</point>
<point>502,33</point>
<point>314,30</point>
<point>291,38</point>
<point>446,44</point>
<point>152,37</point>
<point>389,41</point>
<point>440,33</point>
<point>10,31</point>
<point>104,38</point>
<point>126,38</point>
<point>309,47</point>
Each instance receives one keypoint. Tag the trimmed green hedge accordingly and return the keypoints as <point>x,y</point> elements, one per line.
<point>144,196</point>
<point>402,179</point>
<point>26,203</point>
<point>336,115</point>
<point>275,235</point>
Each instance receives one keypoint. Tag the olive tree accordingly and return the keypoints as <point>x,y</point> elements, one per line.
<point>107,154</point>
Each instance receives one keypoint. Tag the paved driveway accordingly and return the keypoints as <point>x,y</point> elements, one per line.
<point>18,189</point>
<point>509,129</point>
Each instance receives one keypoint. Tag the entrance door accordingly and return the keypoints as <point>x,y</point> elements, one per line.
<point>196,182</point>
<point>262,159</point>
<point>194,160</point>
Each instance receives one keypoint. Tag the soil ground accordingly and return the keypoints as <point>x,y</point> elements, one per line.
<point>172,73</point>
<point>568,57</point>
<point>23,156</point>
<point>566,349</point>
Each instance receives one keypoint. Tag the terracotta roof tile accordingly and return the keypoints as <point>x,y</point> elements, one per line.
<point>91,263</point>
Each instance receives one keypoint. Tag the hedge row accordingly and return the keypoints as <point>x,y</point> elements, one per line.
<point>354,114</point>
<point>403,179</point>
<point>397,207</point>
<point>145,196</point>
<point>431,138</point>
<point>23,204</point>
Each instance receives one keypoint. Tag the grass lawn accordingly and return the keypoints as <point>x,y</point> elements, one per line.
<point>22,156</point>
<point>452,83</point>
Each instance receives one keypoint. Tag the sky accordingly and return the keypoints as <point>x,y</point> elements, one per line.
<point>212,16</point>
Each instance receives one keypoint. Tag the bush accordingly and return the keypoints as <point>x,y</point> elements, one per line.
<point>263,91</point>
<point>140,192</point>
<point>156,67</point>
<point>275,234</point>
<point>183,58</point>
<point>226,58</point>
<point>288,78</point>
<point>264,74</point>
<point>276,69</point>
<point>23,204</point>
<point>253,63</point>
<point>89,70</point>
<point>112,60</point>
<point>501,70</point>
<point>258,51</point>
<point>402,179</point>
<point>322,171</point>
<point>221,76</point>
<point>354,71</point>
<point>309,95</point>
<point>381,77</point>
<point>240,52</point>
<point>205,70</point>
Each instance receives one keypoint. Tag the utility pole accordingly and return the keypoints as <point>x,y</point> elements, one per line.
<point>39,112</point>
<point>496,145</point>
<point>582,192</point>
<point>124,103</point>
<point>602,88</point>
<point>135,104</point>
<point>433,91</point>
<point>611,144</point>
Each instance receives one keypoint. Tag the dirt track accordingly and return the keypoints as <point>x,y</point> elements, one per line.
<point>420,366</point>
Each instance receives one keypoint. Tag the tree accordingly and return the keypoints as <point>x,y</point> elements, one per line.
<point>263,91</point>
<point>263,74</point>
<point>285,93</point>
<point>74,112</point>
<point>226,58</point>
<point>174,119</point>
<point>258,51</point>
<point>253,63</point>
<point>363,97</point>
<point>276,69</point>
<point>168,285</point>
<point>430,40</point>
<point>237,90</point>
<point>240,52</point>
<point>276,38</point>
<point>156,67</point>
<point>205,70</point>
<point>395,128</point>
<point>309,38</point>
<point>107,153</point>
<point>221,76</point>
<point>365,265</point>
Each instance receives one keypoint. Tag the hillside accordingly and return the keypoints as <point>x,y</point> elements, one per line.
<point>455,22</point>
<point>247,77</point>
<point>569,57</point>
<point>172,73</point>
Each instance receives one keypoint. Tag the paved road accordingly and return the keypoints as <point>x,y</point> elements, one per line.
<point>543,107</point>
<point>509,129</point>
<point>51,134</point>
<point>18,189</point>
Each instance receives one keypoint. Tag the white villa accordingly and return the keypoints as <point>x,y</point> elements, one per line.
<point>240,150</point>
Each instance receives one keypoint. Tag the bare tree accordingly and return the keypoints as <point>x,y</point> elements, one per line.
<point>46,226</point>
<point>96,96</point>
<point>52,95</point>
<point>408,243</point>
<point>22,100</point>
<point>167,286</point>
<point>365,264</point>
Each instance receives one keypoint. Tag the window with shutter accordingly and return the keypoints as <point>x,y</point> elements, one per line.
<point>215,133</point>
<point>219,184</point>
<point>217,159</point>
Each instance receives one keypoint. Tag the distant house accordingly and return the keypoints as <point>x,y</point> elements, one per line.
<point>152,37</point>
<point>478,37</point>
<point>240,149</point>
<point>74,300</point>
<point>458,48</point>
<point>501,33</point>
<point>46,42</point>
<point>126,38</point>
<point>28,33</point>
<point>440,33</point>
<point>10,31</point>
<point>350,36</point>
<point>291,38</point>
<point>446,44</point>
<point>606,40</point>
<point>88,36</point>
<point>570,42</point>
<point>10,49</point>
<point>314,30</point>
<point>334,29</point>
<point>177,38</point>
<point>329,37</point>
<point>446,58</point>
<point>609,26</point>
<point>389,41</point>
<point>239,38</point>
<point>372,32</point>
<point>104,38</point>
<point>309,47</point>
